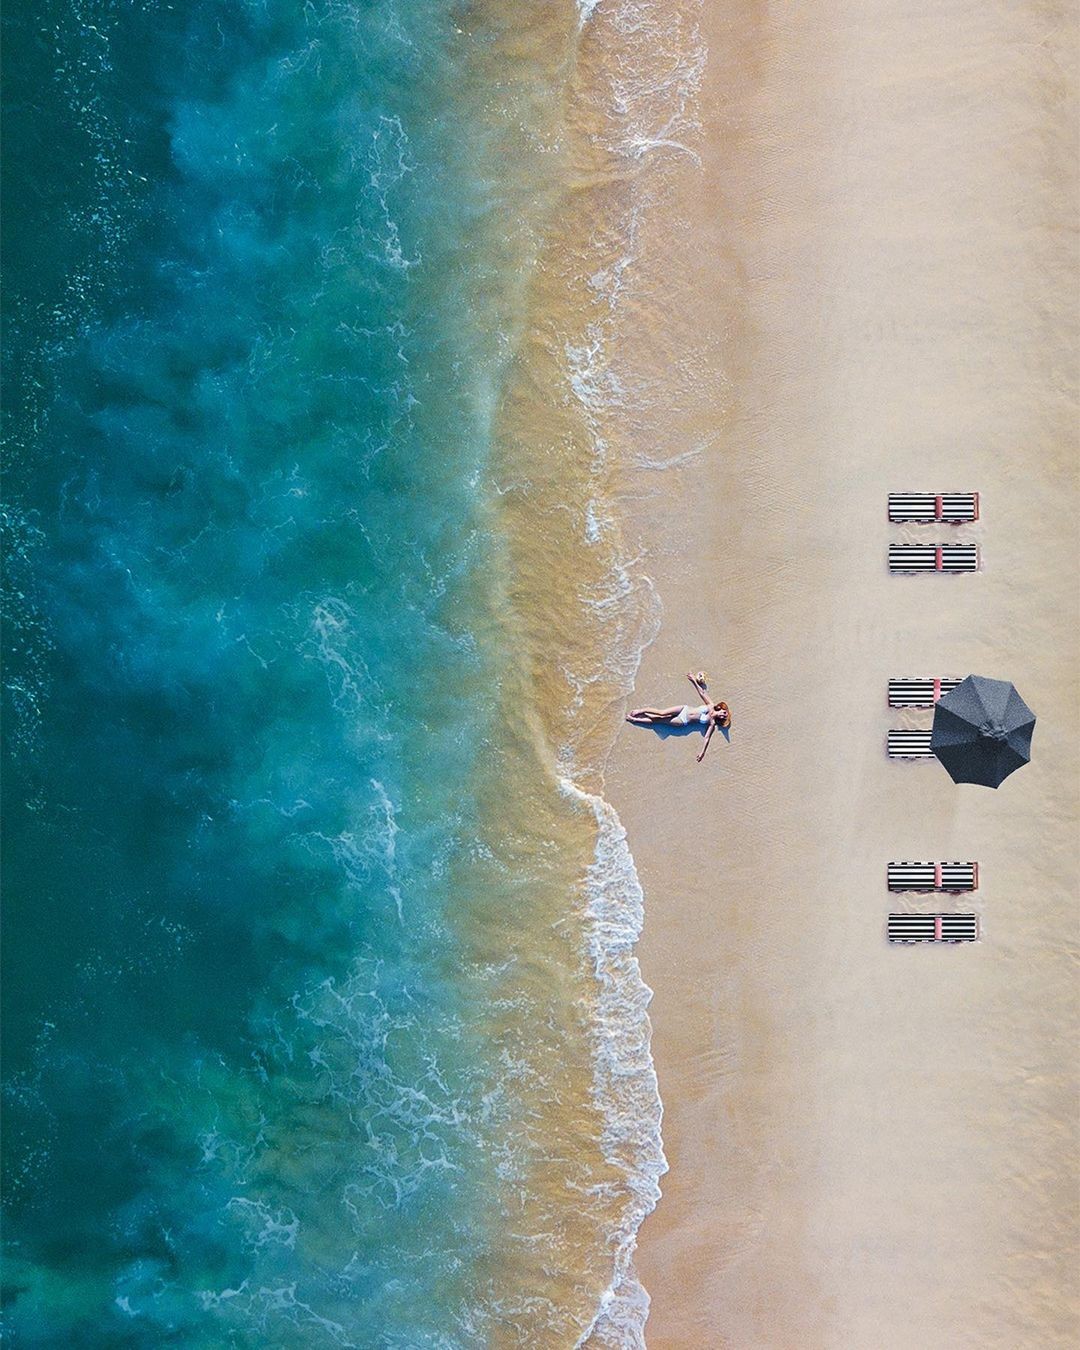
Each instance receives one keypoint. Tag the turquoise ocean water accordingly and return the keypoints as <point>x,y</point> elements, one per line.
<point>256,310</point>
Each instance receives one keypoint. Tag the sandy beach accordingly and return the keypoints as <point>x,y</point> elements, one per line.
<point>396,394</point>
<point>867,285</point>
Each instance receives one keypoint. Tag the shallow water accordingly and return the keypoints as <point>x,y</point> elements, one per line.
<point>322,1021</point>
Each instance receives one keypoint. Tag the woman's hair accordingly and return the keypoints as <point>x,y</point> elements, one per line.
<point>723,710</point>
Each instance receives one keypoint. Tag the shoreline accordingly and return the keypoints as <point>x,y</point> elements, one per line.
<point>581,611</point>
<point>864,275</point>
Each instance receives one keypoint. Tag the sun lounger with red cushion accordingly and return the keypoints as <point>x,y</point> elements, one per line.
<point>904,744</point>
<point>928,508</point>
<point>953,877</point>
<point>907,928</point>
<point>924,693</point>
<point>933,557</point>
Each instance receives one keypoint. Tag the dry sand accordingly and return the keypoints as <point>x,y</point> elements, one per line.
<point>869,285</point>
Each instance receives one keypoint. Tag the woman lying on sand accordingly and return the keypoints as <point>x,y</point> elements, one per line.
<point>709,714</point>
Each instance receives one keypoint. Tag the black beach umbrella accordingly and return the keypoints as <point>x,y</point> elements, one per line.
<point>982,731</point>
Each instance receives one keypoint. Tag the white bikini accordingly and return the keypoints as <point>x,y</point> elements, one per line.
<point>686,715</point>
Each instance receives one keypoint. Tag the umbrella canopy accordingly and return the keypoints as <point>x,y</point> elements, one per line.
<point>982,731</point>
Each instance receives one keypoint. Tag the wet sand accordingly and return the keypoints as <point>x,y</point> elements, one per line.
<point>868,285</point>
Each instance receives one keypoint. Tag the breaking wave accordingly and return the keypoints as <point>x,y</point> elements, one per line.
<point>624,1079</point>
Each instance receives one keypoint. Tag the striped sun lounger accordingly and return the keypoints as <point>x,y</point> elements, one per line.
<point>933,557</point>
<point>925,693</point>
<point>933,876</point>
<point>950,508</point>
<point>933,928</point>
<point>903,744</point>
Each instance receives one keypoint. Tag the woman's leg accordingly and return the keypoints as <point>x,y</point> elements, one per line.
<point>647,715</point>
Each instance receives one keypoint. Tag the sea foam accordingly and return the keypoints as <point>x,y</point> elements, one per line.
<point>657,60</point>
<point>624,1078</point>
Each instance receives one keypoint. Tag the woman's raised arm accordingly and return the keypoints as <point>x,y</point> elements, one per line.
<point>698,686</point>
